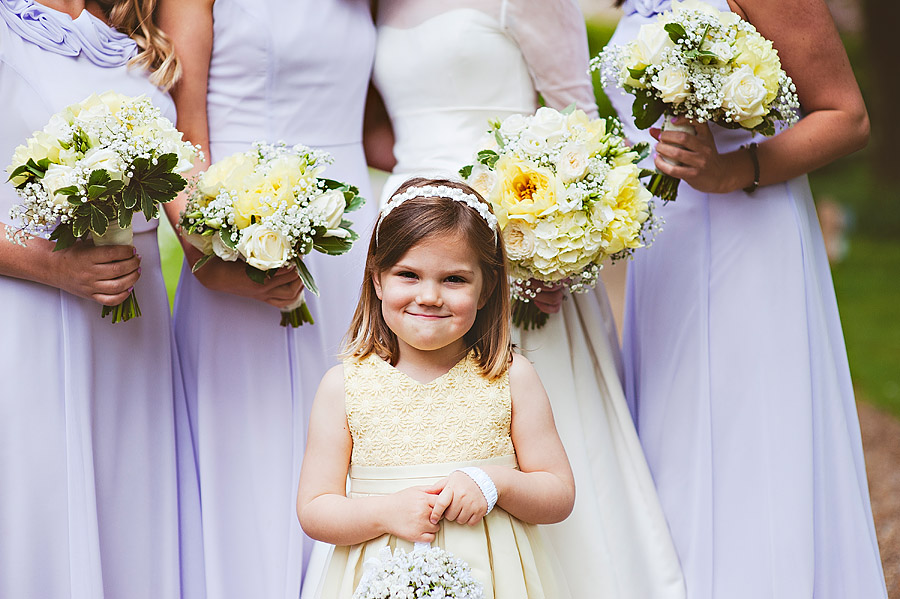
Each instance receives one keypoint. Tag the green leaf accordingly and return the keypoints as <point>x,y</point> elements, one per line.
<point>63,237</point>
<point>306,276</point>
<point>333,246</point>
<point>227,240</point>
<point>255,274</point>
<point>81,224</point>
<point>199,263</point>
<point>98,177</point>
<point>646,110</point>
<point>637,73</point>
<point>466,171</point>
<point>19,171</point>
<point>568,109</point>
<point>355,203</point>
<point>99,221</point>
<point>125,217</point>
<point>499,138</point>
<point>642,149</point>
<point>71,190</point>
<point>332,184</point>
<point>675,31</point>
<point>95,191</point>
<point>488,158</point>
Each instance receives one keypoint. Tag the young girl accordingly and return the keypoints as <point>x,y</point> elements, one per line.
<point>434,416</point>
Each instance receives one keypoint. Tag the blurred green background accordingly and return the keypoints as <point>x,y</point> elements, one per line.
<point>866,277</point>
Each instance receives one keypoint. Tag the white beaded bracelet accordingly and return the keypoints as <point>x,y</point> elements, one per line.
<point>484,482</point>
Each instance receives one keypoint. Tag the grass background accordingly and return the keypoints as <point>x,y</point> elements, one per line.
<point>867,280</point>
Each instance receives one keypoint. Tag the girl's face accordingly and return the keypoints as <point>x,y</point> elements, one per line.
<point>430,298</point>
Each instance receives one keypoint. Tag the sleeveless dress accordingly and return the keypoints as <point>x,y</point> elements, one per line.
<point>281,70</point>
<point>88,477</point>
<point>442,76</point>
<point>740,388</point>
<point>406,433</point>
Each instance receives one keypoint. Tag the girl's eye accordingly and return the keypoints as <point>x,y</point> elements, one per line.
<point>407,274</point>
<point>455,279</point>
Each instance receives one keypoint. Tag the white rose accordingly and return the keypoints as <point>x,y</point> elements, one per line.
<point>519,240</point>
<point>201,242</point>
<point>218,247</point>
<point>91,109</point>
<point>58,127</point>
<point>57,177</point>
<point>104,159</point>
<point>532,144</point>
<point>672,85</point>
<point>263,248</point>
<point>651,43</point>
<point>744,96</point>
<point>482,179</point>
<point>549,124</point>
<point>328,208</point>
<point>513,125</point>
<point>723,51</point>
<point>572,163</point>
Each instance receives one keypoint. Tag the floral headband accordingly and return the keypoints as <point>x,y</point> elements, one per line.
<point>440,191</point>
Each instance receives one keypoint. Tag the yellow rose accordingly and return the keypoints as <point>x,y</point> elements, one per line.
<point>756,52</point>
<point>228,173</point>
<point>525,190</point>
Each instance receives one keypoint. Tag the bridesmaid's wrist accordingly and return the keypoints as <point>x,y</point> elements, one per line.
<point>741,171</point>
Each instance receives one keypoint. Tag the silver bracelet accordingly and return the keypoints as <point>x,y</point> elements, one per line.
<point>484,482</point>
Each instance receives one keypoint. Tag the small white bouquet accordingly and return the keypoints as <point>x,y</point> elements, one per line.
<point>93,166</point>
<point>423,572</point>
<point>567,194</point>
<point>703,64</point>
<point>269,207</point>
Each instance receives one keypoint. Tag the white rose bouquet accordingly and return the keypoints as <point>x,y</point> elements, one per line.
<point>93,166</point>
<point>567,194</point>
<point>269,207</point>
<point>424,572</point>
<point>703,64</point>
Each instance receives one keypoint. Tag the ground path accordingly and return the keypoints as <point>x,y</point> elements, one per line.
<point>881,443</point>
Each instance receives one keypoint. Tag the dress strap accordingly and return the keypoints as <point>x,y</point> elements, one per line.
<point>59,33</point>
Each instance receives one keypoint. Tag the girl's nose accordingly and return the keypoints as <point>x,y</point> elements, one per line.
<point>429,295</point>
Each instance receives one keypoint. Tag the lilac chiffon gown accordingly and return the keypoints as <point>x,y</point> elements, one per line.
<point>294,71</point>
<point>88,410</point>
<point>739,385</point>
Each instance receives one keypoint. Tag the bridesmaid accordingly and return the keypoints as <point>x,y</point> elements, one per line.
<point>88,481</point>
<point>273,70</point>
<point>735,360</point>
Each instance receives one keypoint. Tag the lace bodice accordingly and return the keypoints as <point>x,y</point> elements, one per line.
<point>397,421</point>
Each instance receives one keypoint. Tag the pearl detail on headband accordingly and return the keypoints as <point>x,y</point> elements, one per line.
<point>440,191</point>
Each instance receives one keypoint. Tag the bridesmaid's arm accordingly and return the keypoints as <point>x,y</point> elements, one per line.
<point>103,274</point>
<point>835,123</point>
<point>189,24</point>
<point>378,135</point>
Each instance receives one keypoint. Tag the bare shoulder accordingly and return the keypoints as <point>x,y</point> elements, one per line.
<point>332,384</point>
<point>524,382</point>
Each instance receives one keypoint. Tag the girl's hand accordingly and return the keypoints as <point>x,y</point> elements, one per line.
<point>701,165</point>
<point>549,298</point>
<point>231,277</point>
<point>410,515</point>
<point>459,500</point>
<point>105,274</point>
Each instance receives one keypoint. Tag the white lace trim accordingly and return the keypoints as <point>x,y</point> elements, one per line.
<point>440,191</point>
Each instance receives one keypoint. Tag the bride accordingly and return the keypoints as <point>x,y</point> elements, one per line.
<point>443,69</point>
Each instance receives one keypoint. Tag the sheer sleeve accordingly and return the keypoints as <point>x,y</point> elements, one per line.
<point>553,39</point>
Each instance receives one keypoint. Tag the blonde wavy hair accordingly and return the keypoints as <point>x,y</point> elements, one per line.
<point>135,19</point>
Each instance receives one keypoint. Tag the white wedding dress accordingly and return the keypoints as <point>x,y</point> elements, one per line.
<point>443,69</point>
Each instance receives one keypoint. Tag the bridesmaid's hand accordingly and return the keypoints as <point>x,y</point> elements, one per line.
<point>231,277</point>
<point>702,166</point>
<point>549,298</point>
<point>460,500</point>
<point>105,274</point>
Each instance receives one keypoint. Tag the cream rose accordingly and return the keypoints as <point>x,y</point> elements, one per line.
<point>482,180</point>
<point>201,242</point>
<point>219,248</point>
<point>519,240</point>
<point>57,177</point>
<point>672,84</point>
<point>744,96</point>
<point>532,143</point>
<point>513,125</point>
<point>263,248</point>
<point>227,173</point>
<point>104,159</point>
<point>651,44</point>
<point>549,124</point>
<point>328,208</point>
<point>572,163</point>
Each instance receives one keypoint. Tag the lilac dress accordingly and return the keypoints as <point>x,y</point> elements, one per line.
<point>88,481</point>
<point>738,381</point>
<point>294,71</point>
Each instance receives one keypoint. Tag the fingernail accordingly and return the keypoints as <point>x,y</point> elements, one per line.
<point>139,270</point>
<point>130,289</point>
<point>133,251</point>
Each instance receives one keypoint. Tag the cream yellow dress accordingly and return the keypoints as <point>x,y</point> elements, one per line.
<point>407,433</point>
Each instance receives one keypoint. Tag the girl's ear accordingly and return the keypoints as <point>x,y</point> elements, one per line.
<point>376,282</point>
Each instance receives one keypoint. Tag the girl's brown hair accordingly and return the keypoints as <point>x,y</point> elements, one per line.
<point>135,19</point>
<point>413,222</point>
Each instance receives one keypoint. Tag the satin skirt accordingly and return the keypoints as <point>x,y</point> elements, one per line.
<point>506,555</point>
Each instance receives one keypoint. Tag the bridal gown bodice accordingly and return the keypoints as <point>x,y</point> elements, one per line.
<point>444,69</point>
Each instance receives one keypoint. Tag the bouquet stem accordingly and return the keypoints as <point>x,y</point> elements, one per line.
<point>663,186</point>
<point>526,315</point>
<point>116,235</point>
<point>297,314</point>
